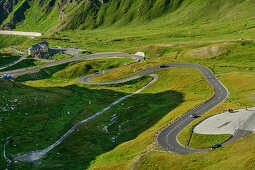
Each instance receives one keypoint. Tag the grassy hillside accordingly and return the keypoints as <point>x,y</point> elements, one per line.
<point>47,103</point>
<point>235,69</point>
<point>121,24</point>
<point>33,16</point>
<point>7,56</point>
<point>53,110</point>
<point>176,91</point>
<point>64,74</point>
<point>182,21</point>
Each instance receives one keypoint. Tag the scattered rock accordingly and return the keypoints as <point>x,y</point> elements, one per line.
<point>130,107</point>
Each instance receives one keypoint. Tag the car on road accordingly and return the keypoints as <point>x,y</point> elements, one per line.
<point>7,76</point>
<point>194,115</point>
<point>163,66</point>
<point>216,146</point>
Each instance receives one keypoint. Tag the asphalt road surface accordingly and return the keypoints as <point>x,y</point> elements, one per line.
<point>22,56</point>
<point>166,138</point>
<point>15,73</point>
<point>36,156</point>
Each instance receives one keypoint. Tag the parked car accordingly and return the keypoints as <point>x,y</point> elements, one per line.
<point>7,76</point>
<point>216,146</point>
<point>194,115</point>
<point>163,66</point>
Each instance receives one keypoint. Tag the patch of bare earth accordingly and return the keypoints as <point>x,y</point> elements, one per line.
<point>206,52</point>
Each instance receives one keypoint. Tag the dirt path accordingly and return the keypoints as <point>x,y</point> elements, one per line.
<point>36,156</point>
<point>7,159</point>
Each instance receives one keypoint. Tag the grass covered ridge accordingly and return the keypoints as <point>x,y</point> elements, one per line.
<point>51,112</point>
<point>138,23</point>
<point>151,29</point>
<point>236,71</point>
<point>64,74</point>
<point>167,98</point>
<point>177,91</point>
<point>177,79</point>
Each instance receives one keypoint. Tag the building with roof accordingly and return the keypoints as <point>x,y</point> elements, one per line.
<point>42,47</point>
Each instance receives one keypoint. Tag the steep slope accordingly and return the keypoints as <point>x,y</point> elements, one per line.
<point>122,12</point>
<point>38,15</point>
<point>30,15</point>
<point>6,8</point>
<point>81,14</point>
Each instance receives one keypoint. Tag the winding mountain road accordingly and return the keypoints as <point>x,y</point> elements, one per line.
<point>22,56</point>
<point>166,138</point>
<point>15,73</point>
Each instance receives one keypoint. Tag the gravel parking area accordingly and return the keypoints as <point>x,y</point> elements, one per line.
<point>228,123</point>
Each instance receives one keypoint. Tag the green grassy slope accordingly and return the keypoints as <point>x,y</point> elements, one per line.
<point>130,26</point>
<point>7,57</point>
<point>33,16</point>
<point>177,91</point>
<point>107,28</point>
<point>235,69</point>
<point>54,110</point>
<point>151,14</point>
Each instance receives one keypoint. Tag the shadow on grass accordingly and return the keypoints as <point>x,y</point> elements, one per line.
<point>70,70</point>
<point>22,64</point>
<point>42,74</point>
<point>6,58</point>
<point>45,125</point>
<point>121,124</point>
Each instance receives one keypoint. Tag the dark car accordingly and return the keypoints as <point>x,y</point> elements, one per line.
<point>216,146</point>
<point>194,116</point>
<point>163,66</point>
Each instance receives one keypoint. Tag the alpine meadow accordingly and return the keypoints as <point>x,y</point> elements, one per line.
<point>127,84</point>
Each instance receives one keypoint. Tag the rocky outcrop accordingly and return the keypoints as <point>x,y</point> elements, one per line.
<point>40,3</point>
<point>6,7</point>
<point>49,6</point>
<point>17,16</point>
